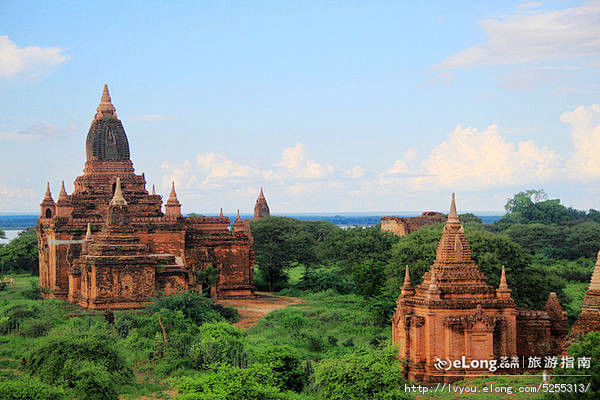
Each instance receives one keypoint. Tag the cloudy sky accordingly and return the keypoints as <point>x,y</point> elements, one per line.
<point>331,106</point>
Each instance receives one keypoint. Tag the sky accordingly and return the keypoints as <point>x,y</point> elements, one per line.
<point>337,106</point>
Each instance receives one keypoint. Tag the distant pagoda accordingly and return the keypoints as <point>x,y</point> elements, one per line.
<point>261,209</point>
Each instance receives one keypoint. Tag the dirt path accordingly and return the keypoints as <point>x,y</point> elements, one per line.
<point>251,310</point>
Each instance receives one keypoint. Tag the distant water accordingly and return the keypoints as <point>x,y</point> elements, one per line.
<point>10,235</point>
<point>15,223</point>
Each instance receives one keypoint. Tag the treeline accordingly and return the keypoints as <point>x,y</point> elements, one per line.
<point>544,245</point>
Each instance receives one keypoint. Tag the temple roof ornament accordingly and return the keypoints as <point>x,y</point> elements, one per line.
<point>118,199</point>
<point>173,201</point>
<point>106,108</point>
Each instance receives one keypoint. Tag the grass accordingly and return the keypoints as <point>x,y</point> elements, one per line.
<point>323,323</point>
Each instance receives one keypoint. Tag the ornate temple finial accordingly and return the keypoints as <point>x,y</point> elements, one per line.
<point>433,292</point>
<point>238,215</point>
<point>63,193</point>
<point>453,215</point>
<point>406,276</point>
<point>503,278</point>
<point>261,192</point>
<point>88,234</point>
<point>118,199</point>
<point>221,212</point>
<point>106,108</point>
<point>503,291</point>
<point>48,194</point>
<point>153,191</point>
<point>173,196</point>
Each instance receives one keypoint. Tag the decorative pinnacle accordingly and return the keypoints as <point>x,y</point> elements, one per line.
<point>63,193</point>
<point>503,278</point>
<point>221,212</point>
<point>595,281</point>
<point>88,235</point>
<point>48,195</point>
<point>153,191</point>
<point>406,277</point>
<point>261,195</point>
<point>238,218</point>
<point>172,201</point>
<point>106,108</point>
<point>453,215</point>
<point>118,199</point>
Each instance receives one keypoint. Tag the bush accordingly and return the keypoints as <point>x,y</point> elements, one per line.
<point>194,306</point>
<point>57,359</point>
<point>93,382</point>
<point>35,327</point>
<point>321,279</point>
<point>231,383</point>
<point>218,342</point>
<point>361,375</point>
<point>588,346</point>
<point>29,389</point>
<point>286,366</point>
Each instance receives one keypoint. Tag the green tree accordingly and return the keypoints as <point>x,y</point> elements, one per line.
<point>588,346</point>
<point>523,200</point>
<point>280,242</point>
<point>530,284</point>
<point>286,366</point>
<point>21,254</point>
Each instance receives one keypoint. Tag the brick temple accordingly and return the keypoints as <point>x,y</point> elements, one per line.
<point>109,244</point>
<point>589,318</point>
<point>261,208</point>
<point>455,313</point>
<point>402,226</point>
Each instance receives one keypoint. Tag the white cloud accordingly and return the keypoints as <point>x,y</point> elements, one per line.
<point>31,61</point>
<point>476,159</point>
<point>295,163</point>
<point>585,123</point>
<point>217,166</point>
<point>151,118</point>
<point>542,35</point>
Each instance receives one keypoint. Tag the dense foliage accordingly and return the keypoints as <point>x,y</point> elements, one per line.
<point>20,254</point>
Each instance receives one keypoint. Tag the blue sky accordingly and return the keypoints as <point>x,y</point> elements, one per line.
<point>331,106</point>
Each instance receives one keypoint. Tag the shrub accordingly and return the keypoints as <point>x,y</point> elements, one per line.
<point>218,342</point>
<point>93,382</point>
<point>361,375</point>
<point>588,346</point>
<point>35,327</point>
<point>321,279</point>
<point>194,306</point>
<point>57,359</point>
<point>29,389</point>
<point>286,366</point>
<point>231,383</point>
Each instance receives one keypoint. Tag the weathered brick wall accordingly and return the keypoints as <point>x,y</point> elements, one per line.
<point>402,226</point>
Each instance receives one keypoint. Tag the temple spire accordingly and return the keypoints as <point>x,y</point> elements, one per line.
<point>63,193</point>
<point>595,281</point>
<point>453,215</point>
<point>48,195</point>
<point>106,108</point>
<point>407,288</point>
<point>221,212</point>
<point>118,199</point>
<point>406,276</point>
<point>153,191</point>
<point>173,196</point>
<point>503,292</point>
<point>261,193</point>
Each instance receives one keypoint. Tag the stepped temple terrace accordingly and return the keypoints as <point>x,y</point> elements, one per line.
<point>455,313</point>
<point>110,245</point>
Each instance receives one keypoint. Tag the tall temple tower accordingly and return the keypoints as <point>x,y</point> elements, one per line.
<point>589,318</point>
<point>455,313</point>
<point>148,251</point>
<point>261,209</point>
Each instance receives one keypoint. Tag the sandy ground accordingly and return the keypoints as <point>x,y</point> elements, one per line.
<point>251,310</point>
